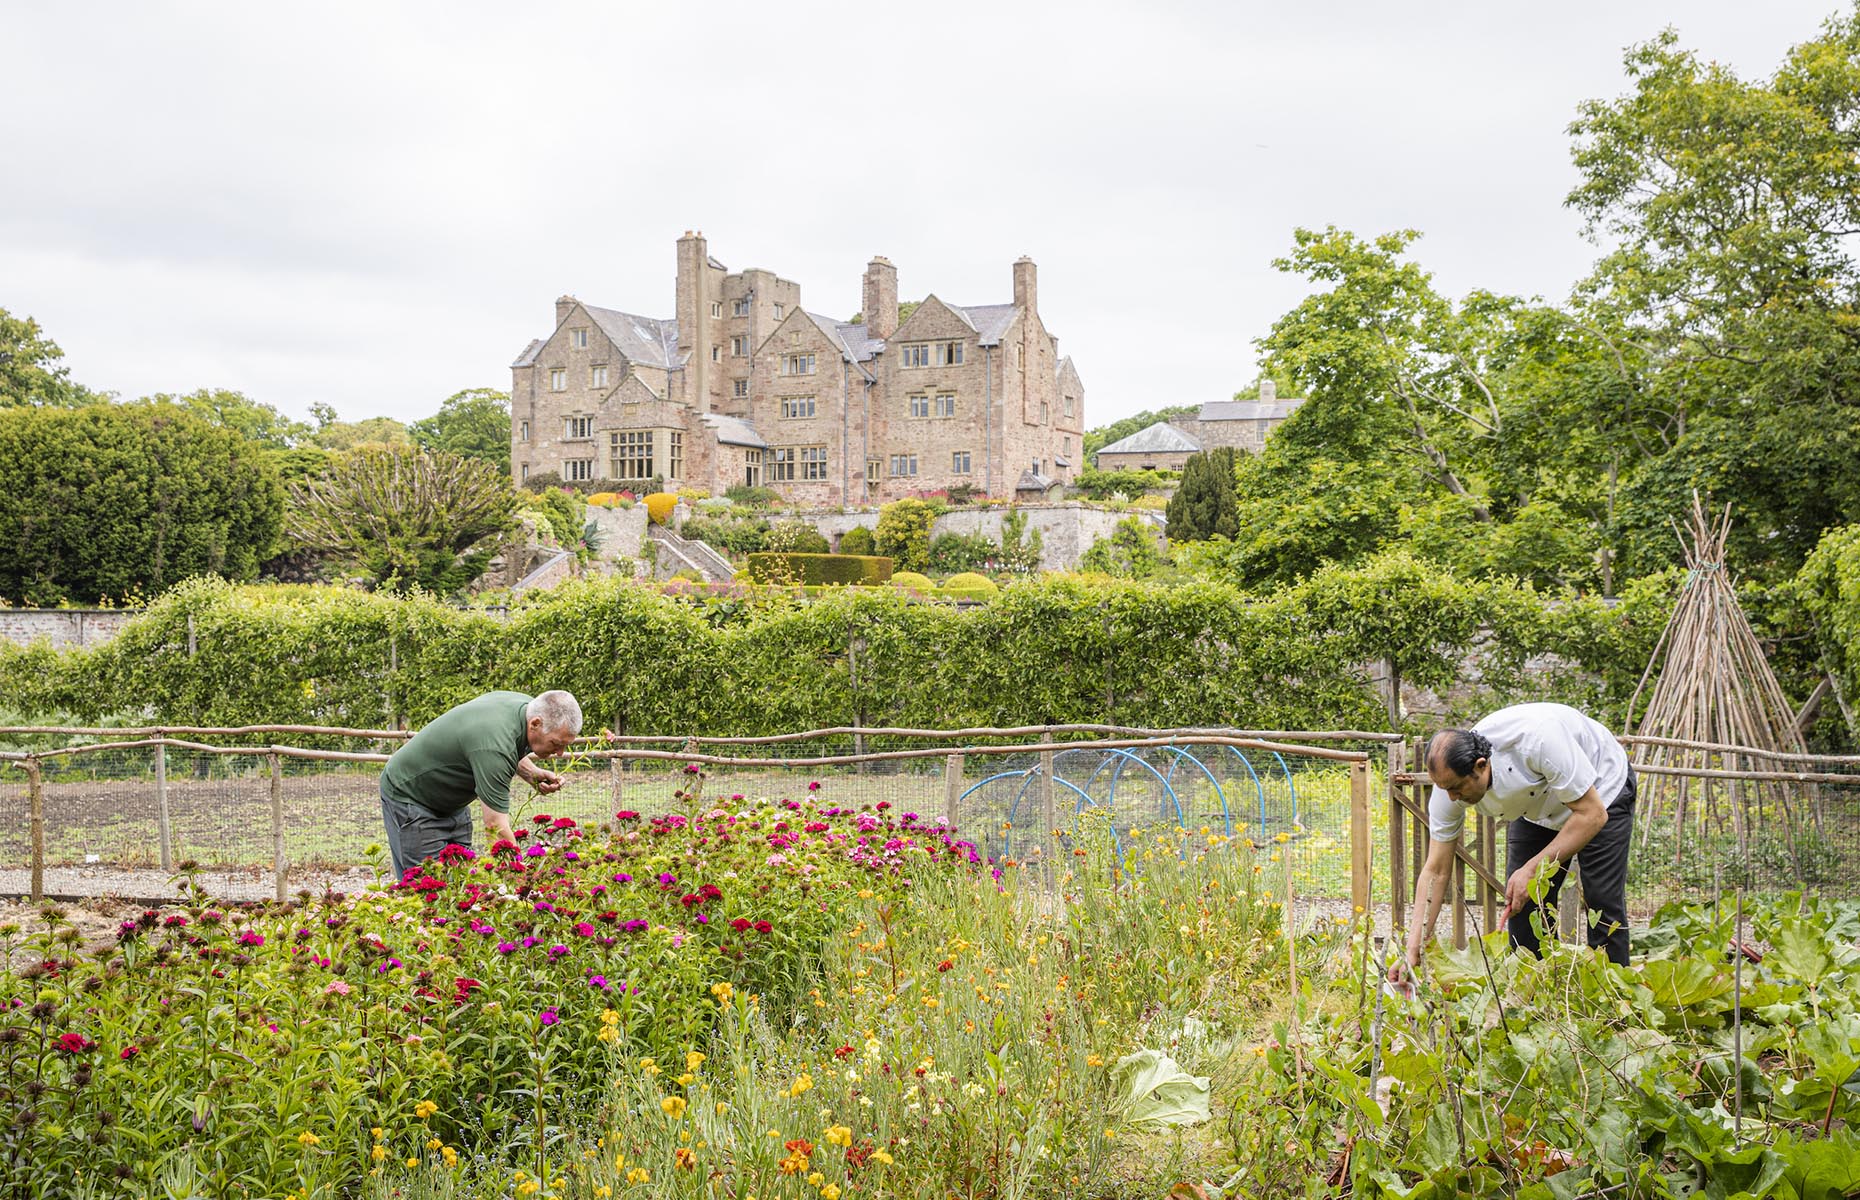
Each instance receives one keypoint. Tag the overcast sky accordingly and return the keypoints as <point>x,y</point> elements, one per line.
<point>375,205</point>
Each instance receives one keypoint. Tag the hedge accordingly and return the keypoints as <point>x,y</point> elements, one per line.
<point>1055,649</point>
<point>814,570</point>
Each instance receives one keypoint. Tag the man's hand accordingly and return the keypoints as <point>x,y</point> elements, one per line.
<point>1518,890</point>
<point>545,782</point>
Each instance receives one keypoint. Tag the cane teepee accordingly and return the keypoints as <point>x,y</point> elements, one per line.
<point>1716,699</point>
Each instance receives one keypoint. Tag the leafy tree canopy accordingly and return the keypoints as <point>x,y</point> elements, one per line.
<point>32,370</point>
<point>474,423</point>
<point>251,419</point>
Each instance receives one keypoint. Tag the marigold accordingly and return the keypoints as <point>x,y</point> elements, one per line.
<point>674,1107</point>
<point>424,1109</point>
<point>838,1135</point>
<point>693,1060</point>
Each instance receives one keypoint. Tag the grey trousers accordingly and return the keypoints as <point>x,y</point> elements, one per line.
<point>416,833</point>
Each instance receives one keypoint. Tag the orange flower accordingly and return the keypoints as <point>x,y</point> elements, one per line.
<point>687,1158</point>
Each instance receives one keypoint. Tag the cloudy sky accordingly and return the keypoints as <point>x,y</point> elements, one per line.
<point>374,205</point>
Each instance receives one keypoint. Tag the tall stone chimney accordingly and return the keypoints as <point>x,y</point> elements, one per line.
<point>1268,391</point>
<point>880,302</point>
<point>564,304</point>
<point>691,310</point>
<point>1026,287</point>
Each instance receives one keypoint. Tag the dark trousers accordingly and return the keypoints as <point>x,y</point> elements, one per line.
<point>416,833</point>
<point>1603,863</point>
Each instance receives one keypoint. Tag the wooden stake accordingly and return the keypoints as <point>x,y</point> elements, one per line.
<point>1359,834</point>
<point>279,866</point>
<point>165,824</point>
<point>36,814</point>
<point>952,789</point>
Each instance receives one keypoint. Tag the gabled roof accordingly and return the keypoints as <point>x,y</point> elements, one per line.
<point>1247,410</point>
<point>990,321</point>
<point>528,357</point>
<point>858,339</point>
<point>831,328</point>
<point>1033,481</point>
<point>651,341</point>
<point>734,431</point>
<point>1160,438</point>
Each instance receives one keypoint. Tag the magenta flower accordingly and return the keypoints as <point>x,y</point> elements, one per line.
<point>550,1016</point>
<point>557,951</point>
<point>248,938</point>
<point>813,785</point>
<point>623,877</point>
<point>598,981</point>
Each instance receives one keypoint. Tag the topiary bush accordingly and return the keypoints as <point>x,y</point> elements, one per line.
<point>911,579</point>
<point>814,570</point>
<point>858,540</point>
<point>904,532</point>
<point>969,581</point>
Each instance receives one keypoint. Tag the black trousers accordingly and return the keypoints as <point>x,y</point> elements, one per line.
<point>1603,863</point>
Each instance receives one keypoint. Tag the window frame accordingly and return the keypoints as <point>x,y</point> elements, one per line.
<point>558,379</point>
<point>577,470</point>
<point>795,403</point>
<point>790,361</point>
<point>572,423</point>
<point>813,464</point>
<point>961,462</point>
<point>631,454</point>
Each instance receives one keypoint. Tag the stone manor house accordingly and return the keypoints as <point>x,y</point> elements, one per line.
<point>741,385</point>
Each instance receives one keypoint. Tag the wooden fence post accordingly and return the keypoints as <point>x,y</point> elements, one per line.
<point>1457,893</point>
<point>36,783</point>
<point>1488,855</point>
<point>614,781</point>
<point>1359,834</point>
<point>1048,822</point>
<point>163,818</point>
<point>278,864</point>
<point>952,789</point>
<point>1399,885</point>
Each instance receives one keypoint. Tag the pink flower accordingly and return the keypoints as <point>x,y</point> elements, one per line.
<point>75,1043</point>
<point>129,1052</point>
<point>813,785</point>
<point>336,988</point>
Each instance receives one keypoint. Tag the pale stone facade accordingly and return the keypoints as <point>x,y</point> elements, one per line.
<point>743,385</point>
<point>1242,424</point>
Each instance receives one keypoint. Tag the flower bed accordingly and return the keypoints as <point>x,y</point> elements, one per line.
<point>484,999</point>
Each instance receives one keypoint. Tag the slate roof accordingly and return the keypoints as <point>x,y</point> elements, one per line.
<point>989,320</point>
<point>1033,481</point>
<point>1247,410</point>
<point>734,431</point>
<point>528,357</point>
<point>649,340</point>
<point>1160,438</point>
<point>858,340</point>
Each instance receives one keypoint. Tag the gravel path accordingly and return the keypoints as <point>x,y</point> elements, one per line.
<point>155,885</point>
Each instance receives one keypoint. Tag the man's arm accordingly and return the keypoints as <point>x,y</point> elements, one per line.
<point>1586,818</point>
<point>496,824</point>
<point>546,782</point>
<point>1430,892</point>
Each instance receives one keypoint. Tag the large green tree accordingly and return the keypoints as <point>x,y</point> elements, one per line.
<point>474,423</point>
<point>111,501</point>
<point>251,419</point>
<point>333,433</point>
<point>32,370</point>
<point>404,516</point>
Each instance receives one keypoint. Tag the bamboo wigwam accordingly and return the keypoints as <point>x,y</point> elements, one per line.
<point>1716,690</point>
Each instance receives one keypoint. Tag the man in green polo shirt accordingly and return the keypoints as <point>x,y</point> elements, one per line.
<point>473,750</point>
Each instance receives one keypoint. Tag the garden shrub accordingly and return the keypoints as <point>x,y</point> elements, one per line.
<point>659,507</point>
<point>753,497</point>
<point>913,580</point>
<point>858,540</point>
<point>796,537</point>
<point>970,586</point>
<point>956,552</point>
<point>736,533</point>
<point>818,569</point>
<point>904,532</point>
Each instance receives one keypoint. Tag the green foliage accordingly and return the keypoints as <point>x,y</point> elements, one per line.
<point>752,497</point>
<point>302,462</point>
<point>1117,431</point>
<point>1129,553</point>
<point>817,569</point>
<point>118,500</point>
<point>563,510</point>
<point>1020,547</point>
<point>1205,505</point>
<point>1102,485</point>
<point>335,435</point>
<point>904,532</point>
<point>251,419</point>
<point>796,537</point>
<point>1828,590</point>
<point>858,540</point>
<point>30,370</point>
<point>474,423</point>
<point>405,517</point>
<point>969,586</point>
<point>913,581</point>
<point>737,533</point>
<point>953,552</point>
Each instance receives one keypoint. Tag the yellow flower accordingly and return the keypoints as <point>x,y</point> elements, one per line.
<point>674,1106</point>
<point>830,1192</point>
<point>1110,1133</point>
<point>880,1156</point>
<point>1094,1061</point>
<point>528,1187</point>
<point>377,1132</point>
<point>723,992</point>
<point>638,1175</point>
<point>685,1080</point>
<point>800,1085</point>
<point>413,1162</point>
<point>602,1192</point>
<point>307,1138</point>
<point>610,1017</point>
<point>647,1066</point>
<point>378,1153</point>
<point>685,1157</point>
<point>838,1135</point>
<point>722,1108</point>
<point>815,1179</point>
<point>866,893</point>
<point>693,1060</point>
<point>425,1109</point>
<point>434,1143</point>
<point>608,1034</point>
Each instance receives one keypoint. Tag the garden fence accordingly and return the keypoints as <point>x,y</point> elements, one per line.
<point>276,807</point>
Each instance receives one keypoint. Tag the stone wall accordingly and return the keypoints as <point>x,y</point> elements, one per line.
<point>63,627</point>
<point>1066,530</point>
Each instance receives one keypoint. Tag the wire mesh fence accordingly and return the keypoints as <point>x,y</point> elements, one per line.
<point>118,809</point>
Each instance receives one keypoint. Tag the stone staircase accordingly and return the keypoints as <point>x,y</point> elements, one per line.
<point>690,554</point>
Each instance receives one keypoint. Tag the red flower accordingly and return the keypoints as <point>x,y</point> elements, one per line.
<point>563,823</point>
<point>814,786</point>
<point>764,927</point>
<point>75,1043</point>
<point>945,965</point>
<point>462,988</point>
<point>626,814</point>
<point>817,827</point>
<point>883,805</point>
<point>541,819</point>
<point>740,924</point>
<point>843,1052</point>
<point>129,1052</point>
<point>503,846</point>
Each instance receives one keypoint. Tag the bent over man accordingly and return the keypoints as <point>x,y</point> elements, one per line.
<point>1563,782</point>
<point>472,750</point>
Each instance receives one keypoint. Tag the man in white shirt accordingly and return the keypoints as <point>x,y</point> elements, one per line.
<point>1563,782</point>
